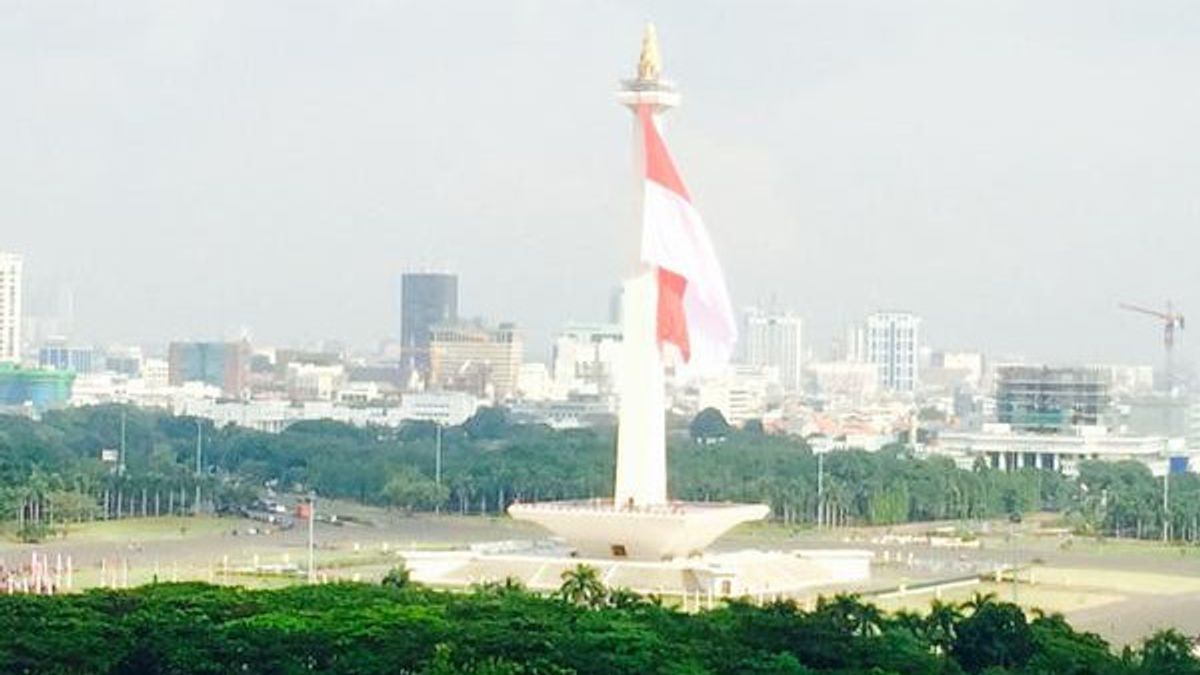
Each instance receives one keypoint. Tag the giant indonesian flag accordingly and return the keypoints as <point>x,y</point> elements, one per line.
<point>694,313</point>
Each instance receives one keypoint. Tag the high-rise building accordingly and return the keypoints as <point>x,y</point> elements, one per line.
<point>615,301</point>
<point>156,373</point>
<point>221,364</point>
<point>951,371</point>
<point>427,299</point>
<point>475,359</point>
<point>775,339</point>
<point>852,345</point>
<point>10,307</point>
<point>892,342</point>
<point>57,354</point>
<point>124,360</point>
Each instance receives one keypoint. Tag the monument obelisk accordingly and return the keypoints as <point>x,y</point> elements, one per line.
<point>641,478</point>
<point>641,521</point>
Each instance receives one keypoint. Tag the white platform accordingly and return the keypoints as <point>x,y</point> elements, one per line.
<point>597,529</point>
<point>762,574</point>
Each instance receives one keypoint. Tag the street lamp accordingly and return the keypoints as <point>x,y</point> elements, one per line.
<point>121,463</point>
<point>437,466</point>
<point>1166,504</point>
<point>199,439</point>
<point>820,489</point>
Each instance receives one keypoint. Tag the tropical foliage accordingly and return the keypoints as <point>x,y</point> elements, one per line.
<point>51,472</point>
<point>500,628</point>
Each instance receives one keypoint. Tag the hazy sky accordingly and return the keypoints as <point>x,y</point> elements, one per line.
<point>1009,170</point>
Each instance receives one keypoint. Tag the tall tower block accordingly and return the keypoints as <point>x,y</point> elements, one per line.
<point>10,307</point>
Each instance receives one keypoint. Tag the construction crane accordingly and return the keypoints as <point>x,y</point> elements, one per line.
<point>1171,320</point>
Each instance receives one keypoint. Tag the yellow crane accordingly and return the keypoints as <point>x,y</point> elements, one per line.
<point>1171,321</point>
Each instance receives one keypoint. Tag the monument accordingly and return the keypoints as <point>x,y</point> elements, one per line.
<point>676,309</point>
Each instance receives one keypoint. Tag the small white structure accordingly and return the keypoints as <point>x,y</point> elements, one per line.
<point>444,407</point>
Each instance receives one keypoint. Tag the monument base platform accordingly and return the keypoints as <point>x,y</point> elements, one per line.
<point>599,529</point>
<point>761,575</point>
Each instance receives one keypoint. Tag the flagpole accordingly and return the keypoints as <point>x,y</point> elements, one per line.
<point>312,518</point>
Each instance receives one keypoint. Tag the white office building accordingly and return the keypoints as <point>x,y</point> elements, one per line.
<point>775,340</point>
<point>585,359</point>
<point>845,381</point>
<point>892,342</point>
<point>1126,379</point>
<point>741,395</point>
<point>10,307</point>
<point>308,382</point>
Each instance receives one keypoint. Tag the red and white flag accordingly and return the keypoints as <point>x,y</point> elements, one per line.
<point>694,312</point>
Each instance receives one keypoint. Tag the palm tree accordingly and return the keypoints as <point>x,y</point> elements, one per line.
<point>941,623</point>
<point>980,600</point>
<point>510,585</point>
<point>582,586</point>
<point>909,620</point>
<point>623,598</point>
<point>397,577</point>
<point>850,614</point>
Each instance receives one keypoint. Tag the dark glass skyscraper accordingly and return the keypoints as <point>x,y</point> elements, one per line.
<point>426,300</point>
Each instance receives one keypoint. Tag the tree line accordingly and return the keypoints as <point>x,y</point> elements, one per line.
<point>52,472</point>
<point>501,629</point>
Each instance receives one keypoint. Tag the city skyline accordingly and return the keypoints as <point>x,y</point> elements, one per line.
<point>286,204</point>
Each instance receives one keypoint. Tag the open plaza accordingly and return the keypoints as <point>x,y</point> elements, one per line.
<point>1120,589</point>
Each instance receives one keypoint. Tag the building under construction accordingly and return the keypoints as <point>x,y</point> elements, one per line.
<point>1042,399</point>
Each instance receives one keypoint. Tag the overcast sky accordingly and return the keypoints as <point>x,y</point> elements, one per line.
<point>1008,170</point>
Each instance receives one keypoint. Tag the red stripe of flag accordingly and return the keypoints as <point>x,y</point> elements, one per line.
<point>672,321</point>
<point>659,167</point>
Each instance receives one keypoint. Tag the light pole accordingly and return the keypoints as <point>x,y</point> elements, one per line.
<point>1166,505</point>
<point>121,466</point>
<point>820,490</point>
<point>199,439</point>
<point>437,466</point>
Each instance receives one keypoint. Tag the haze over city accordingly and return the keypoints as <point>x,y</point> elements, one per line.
<point>1009,172</point>
<point>502,336</point>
